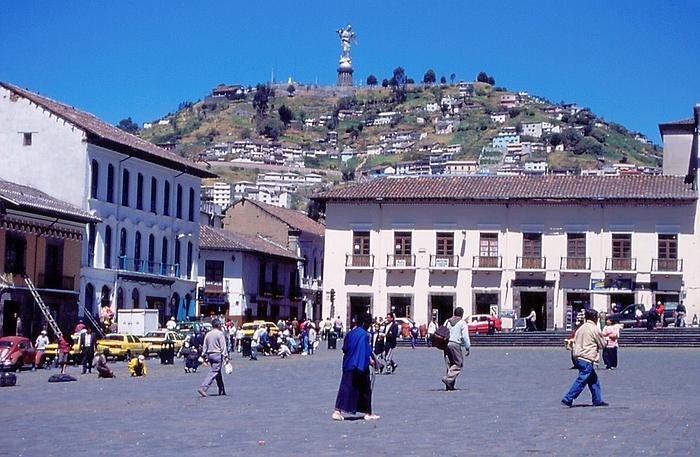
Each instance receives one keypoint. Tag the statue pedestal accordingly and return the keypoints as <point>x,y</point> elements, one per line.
<point>344,77</point>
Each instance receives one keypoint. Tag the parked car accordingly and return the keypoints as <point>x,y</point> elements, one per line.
<point>479,323</point>
<point>153,340</point>
<point>16,352</point>
<point>120,345</point>
<point>250,327</point>
<point>633,315</point>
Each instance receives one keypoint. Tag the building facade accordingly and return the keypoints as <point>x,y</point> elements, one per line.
<point>246,277</point>
<point>510,244</point>
<point>143,252</point>
<point>40,237</point>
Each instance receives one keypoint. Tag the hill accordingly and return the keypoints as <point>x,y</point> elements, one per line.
<point>356,129</point>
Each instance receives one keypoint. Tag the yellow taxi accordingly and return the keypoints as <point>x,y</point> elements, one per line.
<point>120,345</point>
<point>74,354</point>
<point>250,327</point>
<point>153,340</point>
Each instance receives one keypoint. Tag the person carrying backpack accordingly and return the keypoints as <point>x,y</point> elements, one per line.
<point>454,358</point>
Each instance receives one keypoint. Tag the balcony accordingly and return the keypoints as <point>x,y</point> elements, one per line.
<point>359,261</point>
<point>144,266</point>
<point>213,286</point>
<point>311,283</point>
<point>401,261</point>
<point>575,264</point>
<point>620,264</point>
<point>487,262</point>
<point>444,262</point>
<point>530,263</point>
<point>667,266</point>
<point>56,282</point>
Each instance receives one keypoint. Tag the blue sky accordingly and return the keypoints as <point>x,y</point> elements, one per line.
<point>633,62</point>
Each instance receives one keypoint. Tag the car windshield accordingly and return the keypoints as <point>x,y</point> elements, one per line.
<point>5,344</point>
<point>250,326</point>
<point>114,337</point>
<point>155,335</point>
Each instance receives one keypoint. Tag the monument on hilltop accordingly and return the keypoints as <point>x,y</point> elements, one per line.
<point>345,64</point>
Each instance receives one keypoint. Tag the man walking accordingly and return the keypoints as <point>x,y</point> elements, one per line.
<point>392,334</point>
<point>459,338</point>
<point>588,341</point>
<point>216,353</point>
<point>432,327</point>
<point>87,349</point>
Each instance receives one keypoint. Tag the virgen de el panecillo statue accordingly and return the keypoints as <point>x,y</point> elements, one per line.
<point>345,64</point>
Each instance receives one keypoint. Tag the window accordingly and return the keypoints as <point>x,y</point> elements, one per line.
<point>122,248</point>
<point>189,259</point>
<point>668,246</point>
<point>26,138</point>
<point>176,260</point>
<point>576,251</point>
<point>402,243</point>
<point>621,246</point>
<point>214,271</point>
<point>191,208</point>
<point>532,245</point>
<point>488,245</point>
<point>137,251</point>
<point>125,188</point>
<point>445,243</point>
<point>166,198</point>
<point>91,244</point>
<point>15,246</point>
<point>108,247</point>
<point>139,191</point>
<point>360,243</point>
<point>94,178</point>
<point>135,299</point>
<point>154,194</point>
<point>53,264</point>
<point>151,252</point>
<point>262,269</point>
<point>178,203</point>
<point>164,254</point>
<point>110,183</point>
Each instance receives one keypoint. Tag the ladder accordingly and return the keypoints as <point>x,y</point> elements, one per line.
<point>96,325</point>
<point>42,306</point>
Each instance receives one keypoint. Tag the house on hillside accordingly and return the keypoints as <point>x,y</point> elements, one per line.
<point>142,253</point>
<point>230,92</point>
<point>499,118</point>
<point>509,100</point>
<point>293,230</point>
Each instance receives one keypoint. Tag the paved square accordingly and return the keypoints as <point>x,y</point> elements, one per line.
<point>508,404</point>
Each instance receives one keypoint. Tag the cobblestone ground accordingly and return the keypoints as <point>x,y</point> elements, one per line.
<point>507,404</point>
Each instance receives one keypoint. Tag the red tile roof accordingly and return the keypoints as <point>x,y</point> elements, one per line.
<point>568,189</point>
<point>295,219</point>
<point>211,238</point>
<point>26,198</point>
<point>104,131</point>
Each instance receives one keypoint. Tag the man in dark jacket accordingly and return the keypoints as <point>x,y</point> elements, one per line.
<point>392,334</point>
<point>87,342</point>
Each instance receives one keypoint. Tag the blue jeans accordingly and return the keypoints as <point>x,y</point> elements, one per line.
<point>586,376</point>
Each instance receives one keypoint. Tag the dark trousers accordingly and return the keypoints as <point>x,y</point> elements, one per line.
<point>610,357</point>
<point>87,355</point>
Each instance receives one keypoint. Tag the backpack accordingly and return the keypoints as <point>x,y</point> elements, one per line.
<point>441,337</point>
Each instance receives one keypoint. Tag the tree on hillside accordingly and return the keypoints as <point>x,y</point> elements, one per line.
<point>452,77</point>
<point>371,80</point>
<point>128,125</point>
<point>261,100</point>
<point>291,89</point>
<point>556,139</point>
<point>492,80</point>
<point>482,77</point>
<point>443,80</point>
<point>588,145</point>
<point>271,128</point>
<point>429,76</point>
<point>286,115</point>
<point>398,84</point>
<point>385,82</point>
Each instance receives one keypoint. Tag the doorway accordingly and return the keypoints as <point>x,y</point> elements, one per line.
<point>10,312</point>
<point>442,306</point>
<point>400,305</point>
<point>486,303</point>
<point>159,304</point>
<point>536,301</point>
<point>575,303</point>
<point>358,304</point>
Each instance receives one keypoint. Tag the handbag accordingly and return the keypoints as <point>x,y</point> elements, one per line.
<point>228,368</point>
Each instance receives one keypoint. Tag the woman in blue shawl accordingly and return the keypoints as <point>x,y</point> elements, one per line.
<point>355,392</point>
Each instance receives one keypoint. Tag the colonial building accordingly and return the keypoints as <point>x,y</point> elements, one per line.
<point>40,237</point>
<point>677,137</point>
<point>296,232</point>
<point>143,252</point>
<point>246,277</point>
<point>510,244</point>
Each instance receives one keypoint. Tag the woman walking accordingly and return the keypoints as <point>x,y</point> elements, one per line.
<point>355,392</point>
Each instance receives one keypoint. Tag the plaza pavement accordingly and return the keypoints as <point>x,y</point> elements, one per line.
<point>507,404</point>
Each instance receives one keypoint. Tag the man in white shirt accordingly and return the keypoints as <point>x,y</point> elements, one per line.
<point>432,326</point>
<point>459,337</point>
<point>41,342</point>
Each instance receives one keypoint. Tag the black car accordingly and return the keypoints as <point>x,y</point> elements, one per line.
<point>633,315</point>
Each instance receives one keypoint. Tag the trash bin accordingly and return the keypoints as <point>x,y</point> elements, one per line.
<point>246,341</point>
<point>167,353</point>
<point>332,340</point>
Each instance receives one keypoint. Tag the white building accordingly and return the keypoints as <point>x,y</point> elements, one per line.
<point>499,118</point>
<point>246,277</point>
<point>220,193</point>
<point>510,244</point>
<point>533,129</point>
<point>143,253</point>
